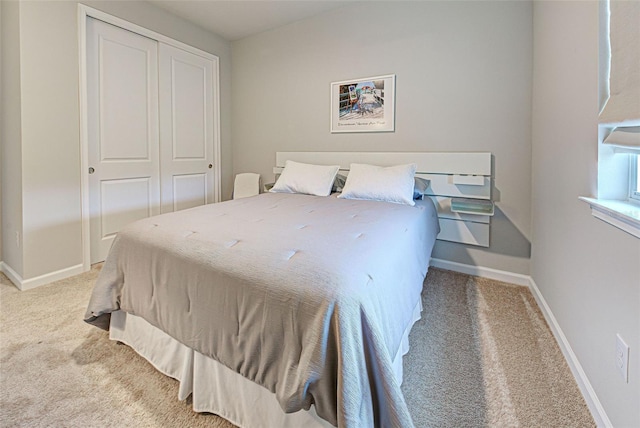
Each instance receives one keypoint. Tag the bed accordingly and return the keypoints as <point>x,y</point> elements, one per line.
<point>281,309</point>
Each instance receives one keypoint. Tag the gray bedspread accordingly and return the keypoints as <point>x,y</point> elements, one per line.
<point>307,296</point>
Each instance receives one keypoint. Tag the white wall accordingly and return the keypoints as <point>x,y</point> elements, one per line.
<point>1,85</point>
<point>463,83</point>
<point>587,271</point>
<point>50,148</point>
<point>10,134</point>
<point>1,120</point>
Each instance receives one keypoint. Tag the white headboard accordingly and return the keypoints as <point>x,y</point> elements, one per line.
<point>453,175</point>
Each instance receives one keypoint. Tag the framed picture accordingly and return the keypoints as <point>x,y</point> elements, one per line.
<point>364,105</point>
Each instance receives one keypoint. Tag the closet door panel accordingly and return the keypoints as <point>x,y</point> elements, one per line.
<point>186,129</point>
<point>116,212</point>
<point>189,110</point>
<point>189,191</point>
<point>124,108</point>
<point>122,118</point>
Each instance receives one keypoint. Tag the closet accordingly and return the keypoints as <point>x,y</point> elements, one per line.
<point>151,109</point>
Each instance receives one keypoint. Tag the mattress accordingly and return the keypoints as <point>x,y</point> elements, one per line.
<point>308,297</point>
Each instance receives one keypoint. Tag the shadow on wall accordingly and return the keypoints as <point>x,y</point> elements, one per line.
<point>505,239</point>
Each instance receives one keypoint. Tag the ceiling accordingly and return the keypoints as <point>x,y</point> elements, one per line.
<point>237,19</point>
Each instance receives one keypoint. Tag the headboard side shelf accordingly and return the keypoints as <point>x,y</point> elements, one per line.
<point>455,178</point>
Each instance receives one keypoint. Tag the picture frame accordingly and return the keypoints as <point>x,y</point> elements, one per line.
<point>363,105</point>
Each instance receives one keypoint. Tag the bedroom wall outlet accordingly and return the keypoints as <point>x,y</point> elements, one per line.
<point>622,358</point>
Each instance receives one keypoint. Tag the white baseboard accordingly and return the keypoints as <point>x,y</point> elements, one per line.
<point>597,411</point>
<point>485,272</point>
<point>595,407</point>
<point>11,274</point>
<point>27,284</point>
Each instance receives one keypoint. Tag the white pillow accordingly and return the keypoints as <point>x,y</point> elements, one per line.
<point>389,184</point>
<point>299,177</point>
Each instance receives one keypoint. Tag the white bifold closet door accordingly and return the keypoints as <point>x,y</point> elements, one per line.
<point>150,123</point>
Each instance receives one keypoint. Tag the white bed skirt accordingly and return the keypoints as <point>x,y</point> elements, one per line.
<point>214,387</point>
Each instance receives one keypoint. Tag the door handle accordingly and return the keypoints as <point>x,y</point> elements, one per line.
<point>91,170</point>
<point>210,165</point>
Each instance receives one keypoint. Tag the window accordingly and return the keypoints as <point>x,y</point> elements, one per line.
<point>618,196</point>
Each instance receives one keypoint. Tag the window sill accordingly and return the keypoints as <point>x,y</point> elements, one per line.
<point>622,214</point>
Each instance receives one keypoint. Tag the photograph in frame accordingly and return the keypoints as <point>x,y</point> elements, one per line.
<point>363,105</point>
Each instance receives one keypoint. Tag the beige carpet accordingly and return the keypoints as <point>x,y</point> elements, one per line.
<point>481,356</point>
